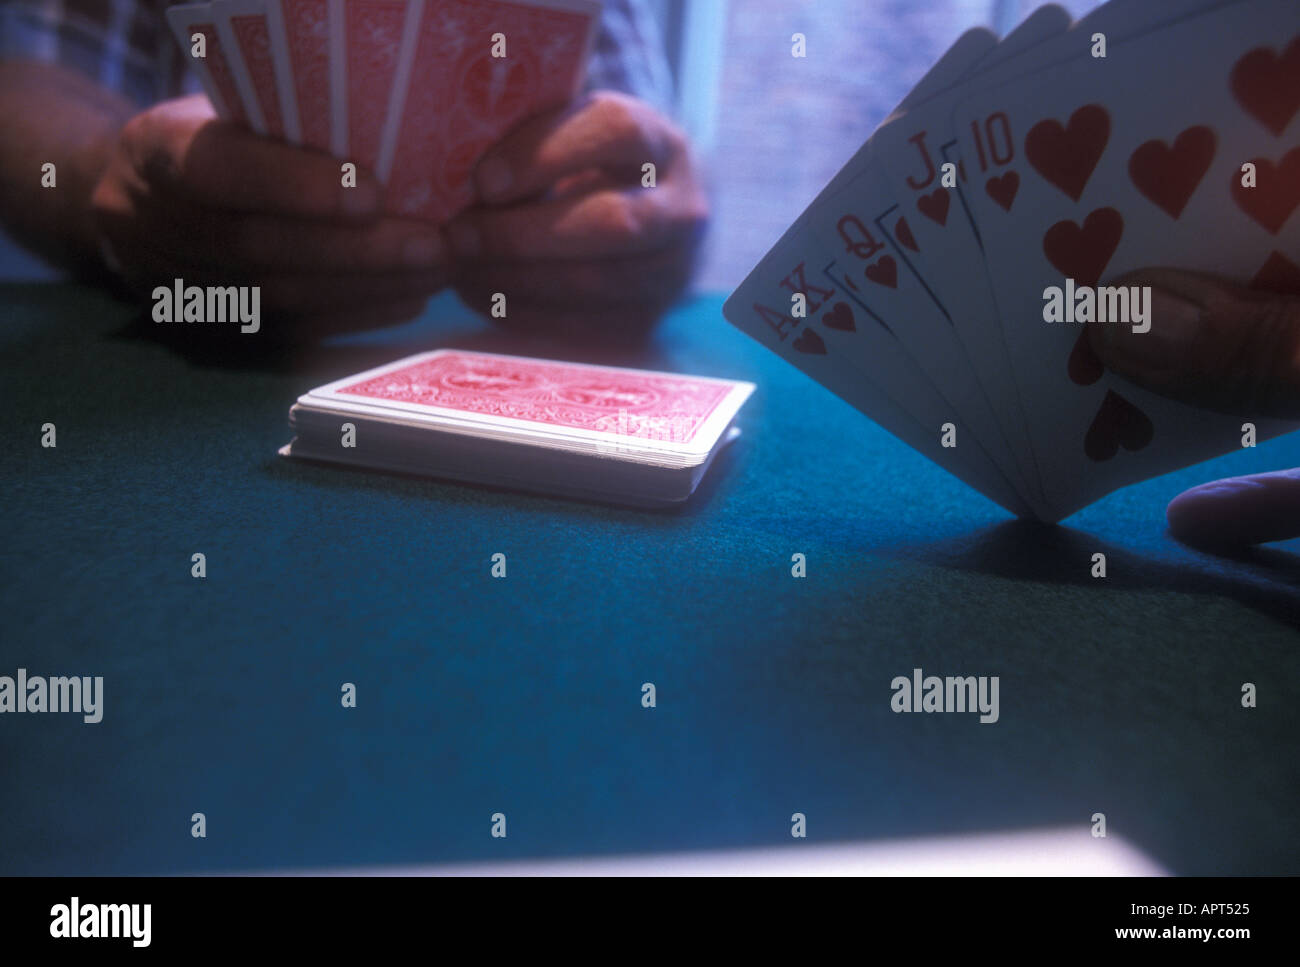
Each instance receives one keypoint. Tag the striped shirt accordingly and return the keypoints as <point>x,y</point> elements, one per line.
<point>125,46</point>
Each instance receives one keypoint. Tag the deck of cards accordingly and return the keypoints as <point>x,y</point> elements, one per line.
<point>412,90</point>
<point>940,281</point>
<point>623,436</point>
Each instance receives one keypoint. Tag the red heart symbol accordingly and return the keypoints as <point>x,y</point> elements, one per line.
<point>1003,189</point>
<point>935,205</point>
<point>1268,86</point>
<point>810,342</point>
<point>1084,366</point>
<point>903,232</point>
<point>1277,274</point>
<point>1117,423</point>
<point>884,272</point>
<point>1169,176</point>
<point>1276,193</point>
<point>1068,156</point>
<point>840,317</point>
<point>1082,253</point>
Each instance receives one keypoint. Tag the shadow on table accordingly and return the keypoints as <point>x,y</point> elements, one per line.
<point>1265,579</point>
<point>445,324</point>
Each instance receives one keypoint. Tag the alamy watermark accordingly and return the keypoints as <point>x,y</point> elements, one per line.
<point>634,430</point>
<point>1123,304</point>
<point>952,694</point>
<point>103,920</point>
<point>83,696</point>
<point>213,303</point>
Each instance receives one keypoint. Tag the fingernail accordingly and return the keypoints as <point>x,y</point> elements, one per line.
<point>1175,323</point>
<point>494,177</point>
<point>360,200</point>
<point>464,239</point>
<point>422,251</point>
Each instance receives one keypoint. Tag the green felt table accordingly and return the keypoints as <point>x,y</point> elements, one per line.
<point>477,695</point>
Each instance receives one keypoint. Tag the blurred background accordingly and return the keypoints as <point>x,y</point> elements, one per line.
<point>523,702</point>
<point>773,128</point>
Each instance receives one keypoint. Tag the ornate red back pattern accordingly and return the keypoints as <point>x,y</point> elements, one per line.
<point>650,406</point>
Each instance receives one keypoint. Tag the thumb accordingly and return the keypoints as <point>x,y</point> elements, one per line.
<point>1211,343</point>
<point>1239,510</point>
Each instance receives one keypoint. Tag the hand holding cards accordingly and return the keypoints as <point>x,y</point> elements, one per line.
<point>413,90</point>
<point>595,432</point>
<point>928,285</point>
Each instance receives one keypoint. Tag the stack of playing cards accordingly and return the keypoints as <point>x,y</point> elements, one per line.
<point>940,281</point>
<point>595,432</point>
<point>412,90</point>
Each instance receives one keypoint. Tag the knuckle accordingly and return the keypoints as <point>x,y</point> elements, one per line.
<point>694,212</point>
<point>1251,355</point>
<point>134,132</point>
<point>106,200</point>
<point>1279,384</point>
<point>618,116</point>
<point>149,149</point>
<point>672,141</point>
<point>616,216</point>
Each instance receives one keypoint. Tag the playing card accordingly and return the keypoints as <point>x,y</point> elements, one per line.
<point>911,231</point>
<point>870,271</point>
<point>338,89</point>
<point>307,39</point>
<point>976,51</point>
<point>283,66</point>
<point>879,362</point>
<point>598,432</point>
<point>961,57</point>
<point>965,54</point>
<point>912,147</point>
<point>372,35</point>
<point>968,51</point>
<point>671,415</point>
<point>211,69</point>
<point>397,93</point>
<point>1129,162</point>
<point>238,68</point>
<point>250,28</point>
<point>829,342</point>
<point>460,97</point>
<point>941,243</point>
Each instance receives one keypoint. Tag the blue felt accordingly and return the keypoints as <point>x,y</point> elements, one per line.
<point>523,695</point>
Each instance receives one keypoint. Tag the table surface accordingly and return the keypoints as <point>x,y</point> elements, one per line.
<point>522,696</point>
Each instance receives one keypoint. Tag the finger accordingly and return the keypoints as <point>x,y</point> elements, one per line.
<point>1210,343</point>
<point>607,130</point>
<point>230,245</point>
<point>253,242</point>
<point>601,224</point>
<point>1238,511</point>
<point>653,279</point>
<point>293,292</point>
<point>222,166</point>
<point>293,295</point>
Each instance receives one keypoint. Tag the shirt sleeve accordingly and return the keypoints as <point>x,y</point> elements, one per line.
<point>629,55</point>
<point>124,45</point>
